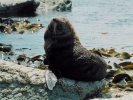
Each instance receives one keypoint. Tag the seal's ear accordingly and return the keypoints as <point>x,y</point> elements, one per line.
<point>54,19</point>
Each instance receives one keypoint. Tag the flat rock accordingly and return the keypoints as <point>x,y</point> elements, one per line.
<point>16,80</point>
<point>20,73</point>
<point>67,89</point>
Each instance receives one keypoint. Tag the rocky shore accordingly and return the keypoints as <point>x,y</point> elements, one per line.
<point>18,82</point>
<point>119,77</point>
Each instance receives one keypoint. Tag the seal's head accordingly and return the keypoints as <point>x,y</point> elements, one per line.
<point>60,27</point>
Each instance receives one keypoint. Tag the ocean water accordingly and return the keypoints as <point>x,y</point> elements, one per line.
<point>90,19</point>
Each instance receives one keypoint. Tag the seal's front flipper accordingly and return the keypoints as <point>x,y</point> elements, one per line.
<point>50,79</point>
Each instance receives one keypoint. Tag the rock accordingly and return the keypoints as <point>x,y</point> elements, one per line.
<point>66,5</point>
<point>18,7</point>
<point>67,89</point>
<point>125,63</point>
<point>54,5</point>
<point>36,58</point>
<point>7,25</point>
<point>21,58</point>
<point>5,48</point>
<point>120,77</point>
<point>130,84</point>
<point>7,21</point>
<point>110,74</point>
<point>2,28</point>
<point>18,95</point>
<point>19,72</point>
<point>123,55</point>
<point>34,27</point>
<point>31,83</point>
<point>21,31</point>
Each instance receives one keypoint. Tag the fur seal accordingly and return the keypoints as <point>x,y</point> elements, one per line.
<point>67,57</point>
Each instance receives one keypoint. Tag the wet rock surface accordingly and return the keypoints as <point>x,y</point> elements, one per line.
<point>119,77</point>
<point>73,90</point>
<point>119,74</point>
<point>5,47</point>
<point>10,25</point>
<point>18,82</point>
<point>18,7</point>
<point>21,83</point>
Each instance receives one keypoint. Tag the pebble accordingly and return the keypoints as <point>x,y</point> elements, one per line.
<point>15,91</point>
<point>18,95</point>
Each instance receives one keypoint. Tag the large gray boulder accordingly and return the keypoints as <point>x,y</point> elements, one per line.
<point>18,82</point>
<point>18,7</point>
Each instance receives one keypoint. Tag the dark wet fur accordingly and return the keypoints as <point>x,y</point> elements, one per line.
<point>67,57</point>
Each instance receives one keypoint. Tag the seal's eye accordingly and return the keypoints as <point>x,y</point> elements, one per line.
<point>59,27</point>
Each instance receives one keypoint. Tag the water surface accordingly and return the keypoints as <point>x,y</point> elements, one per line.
<point>90,18</point>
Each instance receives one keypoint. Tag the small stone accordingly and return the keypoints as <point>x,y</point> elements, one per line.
<point>23,89</point>
<point>7,78</point>
<point>6,91</point>
<point>21,80</point>
<point>18,95</point>
<point>16,90</point>
<point>4,98</point>
<point>125,55</point>
<point>13,85</point>
<point>21,57</point>
<point>9,96</point>
<point>25,70</point>
<point>1,80</point>
<point>120,77</point>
